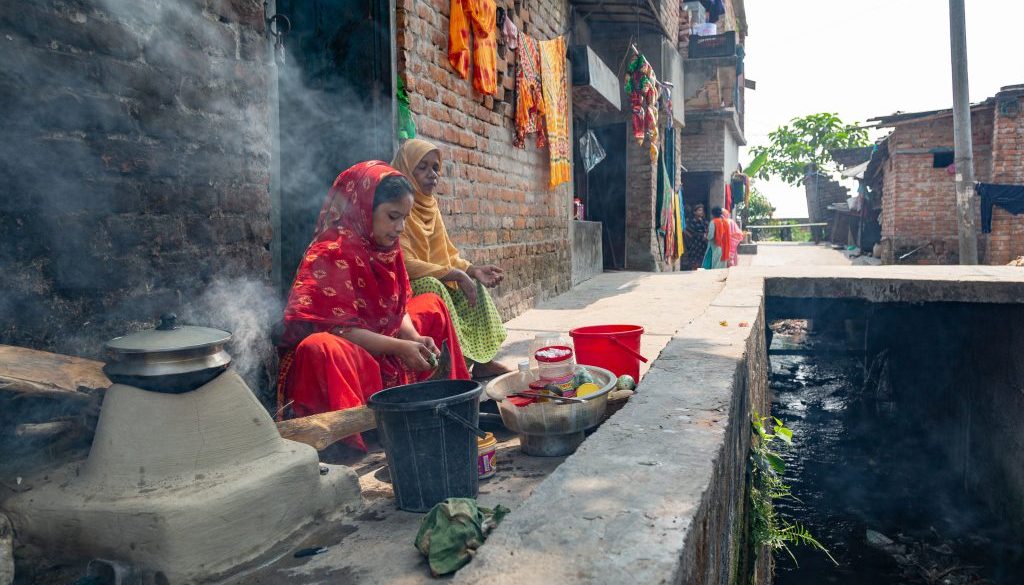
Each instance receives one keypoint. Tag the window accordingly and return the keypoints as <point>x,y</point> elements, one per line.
<point>941,158</point>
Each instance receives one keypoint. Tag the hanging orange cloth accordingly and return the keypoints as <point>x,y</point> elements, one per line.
<point>723,237</point>
<point>556,111</point>
<point>529,97</point>
<point>481,15</point>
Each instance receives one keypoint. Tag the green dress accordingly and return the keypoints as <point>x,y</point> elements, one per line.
<point>479,328</point>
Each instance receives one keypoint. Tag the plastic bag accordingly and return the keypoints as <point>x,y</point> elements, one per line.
<point>591,150</point>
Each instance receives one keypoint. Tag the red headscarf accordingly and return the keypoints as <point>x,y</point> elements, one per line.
<point>345,278</point>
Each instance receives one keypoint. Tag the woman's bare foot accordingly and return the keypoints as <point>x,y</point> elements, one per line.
<point>489,370</point>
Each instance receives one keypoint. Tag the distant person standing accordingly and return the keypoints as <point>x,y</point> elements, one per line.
<point>735,239</point>
<point>719,242</point>
<point>696,238</point>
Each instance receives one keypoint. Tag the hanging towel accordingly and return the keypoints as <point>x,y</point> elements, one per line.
<point>556,109</point>
<point>728,197</point>
<point>481,16</point>
<point>529,97</point>
<point>1009,197</point>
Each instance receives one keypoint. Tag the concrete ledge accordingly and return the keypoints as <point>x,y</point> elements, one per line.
<point>656,494</point>
<point>897,284</point>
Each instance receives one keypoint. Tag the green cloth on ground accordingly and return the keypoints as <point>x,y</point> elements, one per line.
<point>452,530</point>
<point>479,328</point>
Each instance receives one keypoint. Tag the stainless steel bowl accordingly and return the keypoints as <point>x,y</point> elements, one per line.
<point>548,428</point>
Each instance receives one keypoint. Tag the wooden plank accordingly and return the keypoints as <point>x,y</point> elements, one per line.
<point>31,371</point>
<point>322,430</point>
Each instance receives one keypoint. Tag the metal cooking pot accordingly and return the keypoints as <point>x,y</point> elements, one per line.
<point>171,358</point>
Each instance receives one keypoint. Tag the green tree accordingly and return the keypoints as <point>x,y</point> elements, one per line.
<point>806,141</point>
<point>761,210</point>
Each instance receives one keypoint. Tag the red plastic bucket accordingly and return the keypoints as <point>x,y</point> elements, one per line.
<point>615,348</point>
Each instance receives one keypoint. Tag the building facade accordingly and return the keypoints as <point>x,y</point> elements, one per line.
<point>714,102</point>
<point>913,169</point>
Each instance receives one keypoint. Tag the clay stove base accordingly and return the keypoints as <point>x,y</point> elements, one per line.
<point>191,485</point>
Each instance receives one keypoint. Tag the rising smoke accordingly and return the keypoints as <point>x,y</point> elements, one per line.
<point>125,117</point>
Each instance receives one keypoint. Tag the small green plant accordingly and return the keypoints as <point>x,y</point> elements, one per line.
<point>768,528</point>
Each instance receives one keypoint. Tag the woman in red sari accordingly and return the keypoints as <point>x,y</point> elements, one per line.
<point>352,326</point>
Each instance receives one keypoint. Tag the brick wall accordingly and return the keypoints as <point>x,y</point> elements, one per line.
<point>703,146</point>
<point>137,163</point>
<point>641,193</point>
<point>919,201</point>
<point>1006,242</point>
<point>495,198</point>
<point>821,191</point>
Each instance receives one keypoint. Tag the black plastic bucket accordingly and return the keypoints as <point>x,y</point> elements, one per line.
<point>429,433</point>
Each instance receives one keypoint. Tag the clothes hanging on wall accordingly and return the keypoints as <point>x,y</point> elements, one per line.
<point>406,126</point>
<point>529,96</point>
<point>739,188</point>
<point>556,109</point>
<point>642,87</point>
<point>510,32</point>
<point>480,16</point>
<point>1009,197</point>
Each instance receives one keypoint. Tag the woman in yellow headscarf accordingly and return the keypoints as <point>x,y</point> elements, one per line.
<point>434,264</point>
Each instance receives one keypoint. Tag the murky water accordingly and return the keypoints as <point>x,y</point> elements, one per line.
<point>873,487</point>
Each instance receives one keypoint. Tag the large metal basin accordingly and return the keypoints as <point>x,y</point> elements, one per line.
<point>551,429</point>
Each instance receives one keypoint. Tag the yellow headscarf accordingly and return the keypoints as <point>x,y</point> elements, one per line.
<point>426,246</point>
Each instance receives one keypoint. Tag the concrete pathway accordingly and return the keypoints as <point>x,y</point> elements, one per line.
<point>376,546</point>
<point>796,254</point>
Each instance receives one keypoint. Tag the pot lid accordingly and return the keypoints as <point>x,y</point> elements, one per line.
<point>168,336</point>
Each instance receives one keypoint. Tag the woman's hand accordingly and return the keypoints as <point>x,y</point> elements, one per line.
<point>467,285</point>
<point>488,274</point>
<point>414,354</point>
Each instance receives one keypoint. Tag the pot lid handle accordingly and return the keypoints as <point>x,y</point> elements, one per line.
<point>168,322</point>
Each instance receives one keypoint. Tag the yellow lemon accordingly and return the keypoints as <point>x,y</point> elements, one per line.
<point>586,389</point>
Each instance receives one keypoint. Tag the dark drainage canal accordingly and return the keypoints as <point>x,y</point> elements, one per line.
<point>908,447</point>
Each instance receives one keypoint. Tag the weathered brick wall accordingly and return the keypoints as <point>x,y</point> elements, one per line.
<point>1006,242</point>
<point>641,193</point>
<point>821,191</point>
<point>136,165</point>
<point>919,201</point>
<point>703,146</point>
<point>494,197</point>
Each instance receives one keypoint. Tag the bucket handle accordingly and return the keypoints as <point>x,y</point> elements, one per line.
<point>444,411</point>
<point>632,351</point>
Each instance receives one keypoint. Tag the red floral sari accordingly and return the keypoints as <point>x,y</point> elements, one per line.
<point>346,280</point>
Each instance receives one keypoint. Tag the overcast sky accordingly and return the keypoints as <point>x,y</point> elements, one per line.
<point>865,59</point>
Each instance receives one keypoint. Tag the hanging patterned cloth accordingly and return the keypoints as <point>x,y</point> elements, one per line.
<point>642,87</point>
<point>556,112</point>
<point>481,16</point>
<point>529,97</point>
<point>406,125</point>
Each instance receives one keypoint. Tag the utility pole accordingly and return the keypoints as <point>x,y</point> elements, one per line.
<point>964,151</point>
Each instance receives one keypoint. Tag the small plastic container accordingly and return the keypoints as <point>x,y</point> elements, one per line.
<point>487,450</point>
<point>546,339</point>
<point>555,363</point>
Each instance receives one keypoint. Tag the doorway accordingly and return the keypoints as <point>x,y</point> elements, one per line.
<point>697,190</point>
<point>336,106</point>
<point>606,194</point>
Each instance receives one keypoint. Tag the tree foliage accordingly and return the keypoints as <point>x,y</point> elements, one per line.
<point>806,141</point>
<point>761,210</point>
